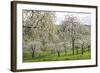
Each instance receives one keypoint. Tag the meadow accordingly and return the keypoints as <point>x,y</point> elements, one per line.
<point>47,56</point>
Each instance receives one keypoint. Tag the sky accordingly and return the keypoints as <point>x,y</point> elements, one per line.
<point>84,17</point>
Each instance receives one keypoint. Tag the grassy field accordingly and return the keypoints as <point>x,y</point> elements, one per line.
<point>46,56</point>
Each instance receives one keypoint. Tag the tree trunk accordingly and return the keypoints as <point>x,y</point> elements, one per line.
<point>77,50</point>
<point>65,52</point>
<point>89,48</point>
<point>73,46</point>
<point>58,53</point>
<point>82,49</point>
<point>33,52</point>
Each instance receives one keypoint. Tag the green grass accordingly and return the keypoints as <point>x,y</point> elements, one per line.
<point>46,56</point>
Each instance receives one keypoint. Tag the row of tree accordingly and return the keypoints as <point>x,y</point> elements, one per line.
<point>41,33</point>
